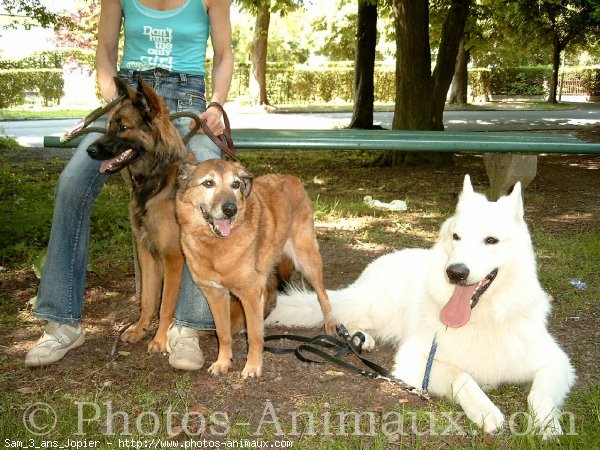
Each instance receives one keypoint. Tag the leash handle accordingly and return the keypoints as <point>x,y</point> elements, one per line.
<point>224,141</point>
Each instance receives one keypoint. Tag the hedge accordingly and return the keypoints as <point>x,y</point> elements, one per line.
<point>303,85</point>
<point>16,83</point>
<point>300,84</point>
<point>309,85</point>
<point>51,59</point>
<point>525,81</point>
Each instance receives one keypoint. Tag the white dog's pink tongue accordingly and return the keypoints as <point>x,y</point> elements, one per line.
<point>224,226</point>
<point>457,311</point>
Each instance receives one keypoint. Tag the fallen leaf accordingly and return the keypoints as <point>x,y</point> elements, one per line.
<point>25,390</point>
<point>175,431</point>
<point>200,409</point>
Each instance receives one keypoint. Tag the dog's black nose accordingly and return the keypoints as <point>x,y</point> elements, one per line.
<point>229,209</point>
<point>457,273</point>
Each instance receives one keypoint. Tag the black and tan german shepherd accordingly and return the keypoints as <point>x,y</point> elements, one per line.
<point>140,136</point>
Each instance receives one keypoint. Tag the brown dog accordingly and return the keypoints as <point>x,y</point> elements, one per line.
<point>234,230</point>
<point>141,137</point>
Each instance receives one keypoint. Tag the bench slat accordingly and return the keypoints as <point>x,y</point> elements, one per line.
<point>399,140</point>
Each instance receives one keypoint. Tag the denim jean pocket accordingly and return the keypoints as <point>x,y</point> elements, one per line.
<point>193,101</point>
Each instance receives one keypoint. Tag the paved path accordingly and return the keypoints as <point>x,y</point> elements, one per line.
<point>30,133</point>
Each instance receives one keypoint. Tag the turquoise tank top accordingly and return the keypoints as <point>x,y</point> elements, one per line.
<point>174,40</point>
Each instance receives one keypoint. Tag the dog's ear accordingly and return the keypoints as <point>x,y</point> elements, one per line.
<point>467,186</point>
<point>147,101</point>
<point>246,178</point>
<point>123,89</point>
<point>515,201</point>
<point>184,174</point>
<point>466,194</point>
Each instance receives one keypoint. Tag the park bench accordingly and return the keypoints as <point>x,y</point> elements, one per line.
<point>508,156</point>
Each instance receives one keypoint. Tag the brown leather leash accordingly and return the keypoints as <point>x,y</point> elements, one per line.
<point>224,141</point>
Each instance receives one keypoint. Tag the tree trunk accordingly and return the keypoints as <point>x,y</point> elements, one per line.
<point>421,95</point>
<point>553,87</point>
<point>364,67</point>
<point>258,56</point>
<point>452,34</point>
<point>460,81</point>
<point>413,66</point>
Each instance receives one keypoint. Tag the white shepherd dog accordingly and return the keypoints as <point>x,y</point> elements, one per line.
<point>477,292</point>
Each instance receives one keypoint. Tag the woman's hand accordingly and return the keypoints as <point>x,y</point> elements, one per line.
<point>213,120</point>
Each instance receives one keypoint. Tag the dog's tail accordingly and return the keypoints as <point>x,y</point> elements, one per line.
<point>298,307</point>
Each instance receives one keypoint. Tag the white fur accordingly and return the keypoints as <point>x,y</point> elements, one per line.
<point>399,296</point>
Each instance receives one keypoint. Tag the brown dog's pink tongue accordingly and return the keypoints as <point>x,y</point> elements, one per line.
<point>224,226</point>
<point>457,311</point>
<point>105,165</point>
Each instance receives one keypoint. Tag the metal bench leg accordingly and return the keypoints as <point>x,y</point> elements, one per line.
<point>136,262</point>
<point>505,169</point>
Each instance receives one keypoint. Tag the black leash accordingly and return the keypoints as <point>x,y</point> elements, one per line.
<point>331,349</point>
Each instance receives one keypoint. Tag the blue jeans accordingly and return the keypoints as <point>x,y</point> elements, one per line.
<point>61,289</point>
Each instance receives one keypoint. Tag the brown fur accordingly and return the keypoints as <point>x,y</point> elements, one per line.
<point>141,122</point>
<point>235,253</point>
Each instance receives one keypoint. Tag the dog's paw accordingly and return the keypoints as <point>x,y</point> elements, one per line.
<point>492,421</point>
<point>550,428</point>
<point>133,334</point>
<point>369,343</point>
<point>158,345</point>
<point>252,371</point>
<point>219,367</point>
<point>330,326</point>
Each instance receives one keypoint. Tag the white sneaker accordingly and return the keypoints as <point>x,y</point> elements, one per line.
<point>56,341</point>
<point>184,350</point>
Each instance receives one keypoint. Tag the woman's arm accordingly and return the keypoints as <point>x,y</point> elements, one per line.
<point>107,50</point>
<point>222,71</point>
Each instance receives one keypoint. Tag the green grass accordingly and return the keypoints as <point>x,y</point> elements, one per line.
<point>26,206</point>
<point>42,113</point>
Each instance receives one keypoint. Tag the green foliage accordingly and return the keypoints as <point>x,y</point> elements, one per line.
<point>590,79</point>
<point>41,73</point>
<point>37,12</point>
<point>51,59</point>
<point>333,32</point>
<point>48,83</point>
<point>519,80</point>
<point>304,85</point>
<point>7,142</point>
